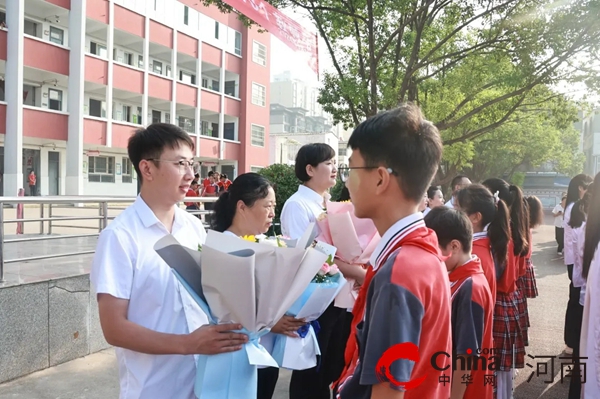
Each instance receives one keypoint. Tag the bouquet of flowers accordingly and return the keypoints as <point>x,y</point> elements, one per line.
<point>301,353</point>
<point>354,238</point>
<point>247,282</point>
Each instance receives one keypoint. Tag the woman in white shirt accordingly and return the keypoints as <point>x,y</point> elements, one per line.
<point>590,326</point>
<point>315,168</point>
<point>577,188</point>
<point>248,208</point>
<point>559,231</point>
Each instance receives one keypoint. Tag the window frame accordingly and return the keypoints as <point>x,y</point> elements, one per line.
<point>256,46</point>
<point>126,170</point>
<point>252,127</point>
<point>103,177</point>
<point>237,49</point>
<point>60,93</point>
<point>263,88</point>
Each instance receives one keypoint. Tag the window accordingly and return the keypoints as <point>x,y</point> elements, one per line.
<point>205,83</point>
<point>140,61</point>
<point>56,35</point>
<point>127,168</point>
<point>31,28</point>
<point>259,94</point>
<point>101,169</point>
<point>187,77</point>
<point>229,131</point>
<point>157,67</point>
<point>169,70</point>
<point>259,53</point>
<point>187,124</point>
<point>167,117</point>
<point>209,129</point>
<point>97,108</point>
<point>230,88</point>
<point>342,151</point>
<point>126,113</point>
<point>258,135</point>
<point>55,99</point>
<point>98,49</point>
<point>216,29</point>
<point>156,116</point>
<point>238,43</point>
<point>128,58</point>
<point>186,15</point>
<point>216,85</point>
<point>29,95</point>
<point>255,169</point>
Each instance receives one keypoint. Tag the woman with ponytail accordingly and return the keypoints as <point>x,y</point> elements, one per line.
<point>577,188</point>
<point>491,231</point>
<point>248,208</point>
<point>590,326</point>
<point>509,337</point>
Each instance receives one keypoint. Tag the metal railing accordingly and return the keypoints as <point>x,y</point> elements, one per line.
<point>52,203</point>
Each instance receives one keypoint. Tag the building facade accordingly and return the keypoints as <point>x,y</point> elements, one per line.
<point>285,146</point>
<point>589,127</point>
<point>77,78</point>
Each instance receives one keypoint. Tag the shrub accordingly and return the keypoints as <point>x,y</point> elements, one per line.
<point>285,183</point>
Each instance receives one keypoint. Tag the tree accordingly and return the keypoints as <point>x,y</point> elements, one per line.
<point>472,65</point>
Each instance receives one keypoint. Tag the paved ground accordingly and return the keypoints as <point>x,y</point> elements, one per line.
<point>95,376</point>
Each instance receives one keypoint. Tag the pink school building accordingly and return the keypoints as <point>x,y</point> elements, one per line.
<point>77,77</point>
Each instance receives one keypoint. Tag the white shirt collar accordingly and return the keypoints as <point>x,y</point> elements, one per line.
<point>398,230</point>
<point>310,194</point>
<point>481,234</point>
<point>148,217</point>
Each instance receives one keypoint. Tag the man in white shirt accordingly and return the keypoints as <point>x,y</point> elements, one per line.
<point>558,213</point>
<point>144,311</point>
<point>458,183</point>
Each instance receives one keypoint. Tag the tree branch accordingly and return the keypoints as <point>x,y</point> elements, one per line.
<point>314,8</point>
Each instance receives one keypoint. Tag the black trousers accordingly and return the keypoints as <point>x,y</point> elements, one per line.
<point>559,233</point>
<point>267,380</point>
<point>572,328</point>
<point>576,375</point>
<point>314,383</point>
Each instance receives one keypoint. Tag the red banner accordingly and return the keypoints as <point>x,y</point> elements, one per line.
<point>282,27</point>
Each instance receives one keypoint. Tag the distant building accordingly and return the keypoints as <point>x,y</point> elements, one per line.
<point>589,127</point>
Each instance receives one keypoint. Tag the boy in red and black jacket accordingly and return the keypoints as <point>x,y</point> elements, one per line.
<point>406,295</point>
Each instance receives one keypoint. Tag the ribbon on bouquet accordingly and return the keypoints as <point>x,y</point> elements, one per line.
<point>231,375</point>
<point>303,331</point>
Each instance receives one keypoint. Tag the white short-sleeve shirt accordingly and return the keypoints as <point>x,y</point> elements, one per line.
<point>558,220</point>
<point>569,239</point>
<point>300,210</point>
<point>126,266</point>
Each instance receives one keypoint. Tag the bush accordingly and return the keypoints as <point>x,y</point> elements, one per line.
<point>285,183</point>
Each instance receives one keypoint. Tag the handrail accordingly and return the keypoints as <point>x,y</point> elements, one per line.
<point>66,202</point>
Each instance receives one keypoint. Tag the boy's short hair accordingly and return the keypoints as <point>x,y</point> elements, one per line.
<point>402,140</point>
<point>223,176</point>
<point>311,154</point>
<point>450,224</point>
<point>150,142</point>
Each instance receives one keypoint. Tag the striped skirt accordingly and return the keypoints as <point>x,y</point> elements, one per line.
<point>508,337</point>
<point>529,284</point>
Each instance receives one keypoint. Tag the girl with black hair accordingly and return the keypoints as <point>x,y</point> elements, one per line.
<point>577,188</point>
<point>491,231</point>
<point>577,222</point>
<point>248,208</point>
<point>509,338</point>
<point>590,326</point>
<point>435,198</point>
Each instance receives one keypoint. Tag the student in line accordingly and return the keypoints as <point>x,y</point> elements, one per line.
<point>406,295</point>
<point>491,230</point>
<point>590,326</point>
<point>248,208</point>
<point>472,304</point>
<point>577,188</point>
<point>145,313</point>
<point>508,336</point>
<point>577,222</point>
<point>435,198</point>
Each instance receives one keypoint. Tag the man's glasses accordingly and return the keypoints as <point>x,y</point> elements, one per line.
<point>344,171</point>
<point>182,164</point>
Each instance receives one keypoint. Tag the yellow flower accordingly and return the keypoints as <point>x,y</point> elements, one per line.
<point>249,238</point>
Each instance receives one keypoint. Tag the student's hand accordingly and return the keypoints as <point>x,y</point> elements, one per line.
<point>214,339</point>
<point>288,325</point>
